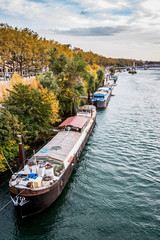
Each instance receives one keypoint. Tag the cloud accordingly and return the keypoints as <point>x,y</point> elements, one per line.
<point>93,31</point>
<point>135,22</point>
<point>39,13</point>
<point>157,43</point>
<point>152,6</point>
<point>22,8</point>
<point>103,5</point>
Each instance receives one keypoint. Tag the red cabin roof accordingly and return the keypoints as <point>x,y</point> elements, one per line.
<point>75,121</point>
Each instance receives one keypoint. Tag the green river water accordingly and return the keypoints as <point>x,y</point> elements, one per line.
<point>114,191</point>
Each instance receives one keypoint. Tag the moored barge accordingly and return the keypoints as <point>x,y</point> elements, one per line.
<point>101,97</point>
<point>39,183</point>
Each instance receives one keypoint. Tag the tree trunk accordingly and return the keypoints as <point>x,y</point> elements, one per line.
<point>89,97</point>
<point>13,66</point>
<point>73,108</point>
<point>20,65</point>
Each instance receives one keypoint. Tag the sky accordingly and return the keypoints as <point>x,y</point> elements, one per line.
<point>112,28</point>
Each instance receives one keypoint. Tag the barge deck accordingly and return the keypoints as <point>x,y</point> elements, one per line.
<point>45,175</point>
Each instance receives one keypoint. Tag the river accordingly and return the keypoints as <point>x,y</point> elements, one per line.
<point>114,191</point>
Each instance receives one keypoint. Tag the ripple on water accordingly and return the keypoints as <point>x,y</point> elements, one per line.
<point>113,192</point>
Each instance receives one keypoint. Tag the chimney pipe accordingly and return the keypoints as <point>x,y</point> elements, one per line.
<point>22,157</point>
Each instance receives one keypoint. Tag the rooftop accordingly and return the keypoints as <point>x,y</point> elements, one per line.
<point>75,121</point>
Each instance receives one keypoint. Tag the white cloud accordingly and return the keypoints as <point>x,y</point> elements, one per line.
<point>22,7</point>
<point>153,6</point>
<point>140,19</point>
<point>102,5</point>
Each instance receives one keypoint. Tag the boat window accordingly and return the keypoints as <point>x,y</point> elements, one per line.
<point>103,90</point>
<point>99,96</point>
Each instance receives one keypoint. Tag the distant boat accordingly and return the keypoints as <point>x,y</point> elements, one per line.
<point>101,97</point>
<point>114,78</point>
<point>132,71</point>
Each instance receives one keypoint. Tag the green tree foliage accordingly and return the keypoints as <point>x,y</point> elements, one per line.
<point>59,65</point>
<point>90,81</point>
<point>100,77</point>
<point>33,109</point>
<point>10,127</point>
<point>48,81</point>
<point>69,74</point>
<point>29,110</point>
<point>52,55</point>
<point>112,70</point>
<point>76,68</point>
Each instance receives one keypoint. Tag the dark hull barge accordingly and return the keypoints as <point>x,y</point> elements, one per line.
<point>45,175</point>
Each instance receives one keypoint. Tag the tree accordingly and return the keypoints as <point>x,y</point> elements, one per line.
<point>112,70</point>
<point>76,67</point>
<point>22,49</point>
<point>71,85</point>
<point>100,77</point>
<point>69,74</point>
<point>10,127</point>
<point>48,81</point>
<point>52,55</point>
<point>35,108</point>
<point>59,65</point>
<point>90,84</point>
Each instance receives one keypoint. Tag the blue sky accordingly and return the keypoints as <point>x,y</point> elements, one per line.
<point>117,28</point>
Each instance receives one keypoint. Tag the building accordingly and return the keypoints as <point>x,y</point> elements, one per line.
<point>68,46</point>
<point>77,50</point>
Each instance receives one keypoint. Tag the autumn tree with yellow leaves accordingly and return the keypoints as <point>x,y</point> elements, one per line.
<point>24,51</point>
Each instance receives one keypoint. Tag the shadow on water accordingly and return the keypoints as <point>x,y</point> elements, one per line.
<point>4,177</point>
<point>35,226</point>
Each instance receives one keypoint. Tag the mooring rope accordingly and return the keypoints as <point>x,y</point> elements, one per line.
<point>5,205</point>
<point>7,163</point>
